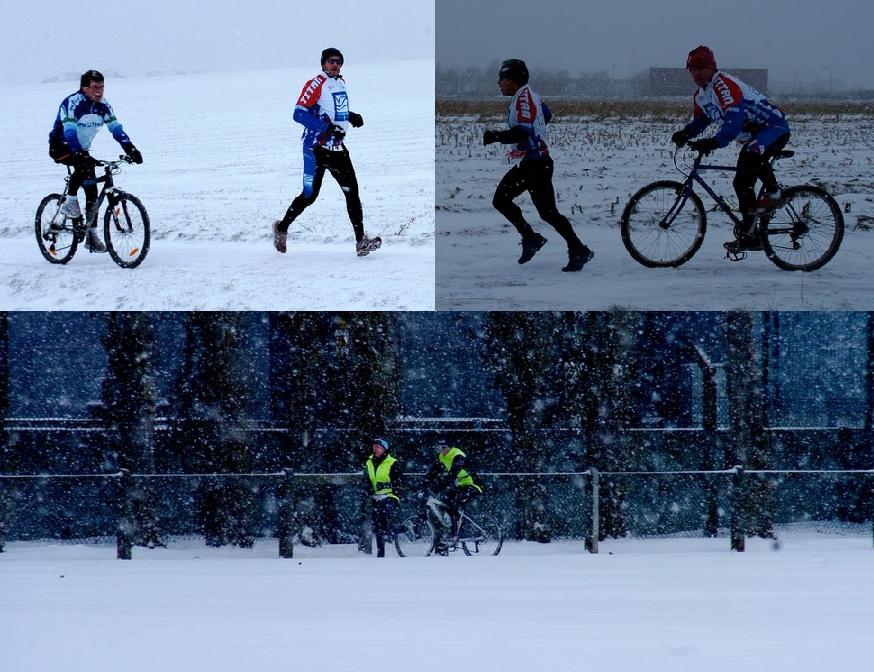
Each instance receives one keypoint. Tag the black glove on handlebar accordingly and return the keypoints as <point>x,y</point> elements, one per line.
<point>356,120</point>
<point>680,138</point>
<point>132,152</point>
<point>704,146</point>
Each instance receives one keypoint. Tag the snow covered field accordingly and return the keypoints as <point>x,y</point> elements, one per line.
<point>600,163</point>
<point>660,604</point>
<point>222,161</point>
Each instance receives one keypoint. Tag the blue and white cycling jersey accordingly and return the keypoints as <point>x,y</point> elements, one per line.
<point>79,119</point>
<point>742,113</point>
<point>322,102</point>
<point>529,113</point>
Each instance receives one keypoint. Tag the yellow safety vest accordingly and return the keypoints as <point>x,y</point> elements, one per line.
<point>380,476</point>
<point>463,479</point>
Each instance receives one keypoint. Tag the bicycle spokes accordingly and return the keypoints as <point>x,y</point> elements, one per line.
<point>663,224</point>
<point>806,232</point>
<point>57,235</point>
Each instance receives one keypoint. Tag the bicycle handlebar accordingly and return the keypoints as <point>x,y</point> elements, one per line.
<point>123,158</point>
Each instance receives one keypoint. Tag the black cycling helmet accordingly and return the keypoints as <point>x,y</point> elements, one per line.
<point>515,70</point>
<point>332,51</point>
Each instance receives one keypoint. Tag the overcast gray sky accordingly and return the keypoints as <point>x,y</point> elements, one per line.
<point>806,39</point>
<point>45,38</point>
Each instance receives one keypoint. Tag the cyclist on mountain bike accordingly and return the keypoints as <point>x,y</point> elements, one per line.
<point>80,116</point>
<point>745,115</point>
<point>453,481</point>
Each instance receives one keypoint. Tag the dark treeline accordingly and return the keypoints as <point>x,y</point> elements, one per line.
<point>480,82</point>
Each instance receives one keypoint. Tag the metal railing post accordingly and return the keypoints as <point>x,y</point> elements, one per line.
<point>285,526</point>
<point>3,514</point>
<point>125,524</point>
<point>595,527</point>
<point>738,499</point>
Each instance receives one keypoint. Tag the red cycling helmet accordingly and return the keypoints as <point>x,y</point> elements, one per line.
<point>701,57</point>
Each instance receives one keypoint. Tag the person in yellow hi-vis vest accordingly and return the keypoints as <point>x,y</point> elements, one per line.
<point>452,480</point>
<point>383,472</point>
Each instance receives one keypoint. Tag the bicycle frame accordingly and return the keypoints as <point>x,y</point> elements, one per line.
<point>466,531</point>
<point>470,532</point>
<point>694,176</point>
<point>109,191</point>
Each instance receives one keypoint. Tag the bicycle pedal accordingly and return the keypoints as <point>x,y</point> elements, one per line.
<point>735,255</point>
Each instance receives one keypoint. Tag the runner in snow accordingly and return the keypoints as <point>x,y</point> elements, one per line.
<point>528,118</point>
<point>80,116</point>
<point>323,110</point>
<point>745,115</point>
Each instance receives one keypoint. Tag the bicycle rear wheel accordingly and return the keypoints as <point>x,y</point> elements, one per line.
<point>481,535</point>
<point>126,231</point>
<point>55,233</point>
<point>415,538</point>
<point>662,229</point>
<point>806,232</point>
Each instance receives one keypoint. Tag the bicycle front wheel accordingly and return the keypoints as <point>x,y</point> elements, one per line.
<point>806,232</point>
<point>481,535</point>
<point>126,231</point>
<point>55,233</point>
<point>415,538</point>
<point>662,228</point>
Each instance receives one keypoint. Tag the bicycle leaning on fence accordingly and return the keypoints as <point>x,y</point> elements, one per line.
<point>663,224</point>
<point>478,534</point>
<point>125,223</point>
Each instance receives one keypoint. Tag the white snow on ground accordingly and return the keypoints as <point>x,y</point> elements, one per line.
<point>659,605</point>
<point>600,163</point>
<point>224,276</point>
<point>222,161</point>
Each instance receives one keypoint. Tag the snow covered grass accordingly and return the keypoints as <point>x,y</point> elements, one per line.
<point>601,160</point>
<point>666,604</point>
<point>222,161</point>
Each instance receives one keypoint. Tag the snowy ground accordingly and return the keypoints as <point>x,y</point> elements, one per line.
<point>222,161</point>
<point>599,164</point>
<point>670,604</point>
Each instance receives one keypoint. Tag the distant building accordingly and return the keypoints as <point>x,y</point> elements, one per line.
<point>677,82</point>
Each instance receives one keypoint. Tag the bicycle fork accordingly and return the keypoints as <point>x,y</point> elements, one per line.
<point>120,216</point>
<point>675,210</point>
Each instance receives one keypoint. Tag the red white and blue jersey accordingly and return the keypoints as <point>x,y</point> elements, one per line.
<point>531,114</point>
<point>741,112</point>
<point>322,102</point>
<point>78,120</point>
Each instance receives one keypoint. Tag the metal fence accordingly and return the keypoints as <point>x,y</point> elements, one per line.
<point>333,508</point>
